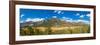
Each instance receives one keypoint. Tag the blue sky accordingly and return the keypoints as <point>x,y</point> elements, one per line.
<point>42,14</point>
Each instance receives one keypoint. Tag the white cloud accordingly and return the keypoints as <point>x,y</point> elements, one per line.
<point>77,14</point>
<point>55,11</point>
<point>34,19</point>
<point>82,16</point>
<point>54,16</point>
<point>71,20</point>
<point>63,17</point>
<point>87,22</point>
<point>88,15</point>
<point>66,18</point>
<point>22,15</point>
<point>84,21</point>
<point>58,12</point>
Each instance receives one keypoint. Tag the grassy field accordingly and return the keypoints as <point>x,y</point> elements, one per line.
<point>28,30</point>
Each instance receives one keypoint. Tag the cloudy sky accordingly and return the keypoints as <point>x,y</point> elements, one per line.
<point>41,14</point>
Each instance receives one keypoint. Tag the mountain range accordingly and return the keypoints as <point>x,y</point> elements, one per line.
<point>51,22</point>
